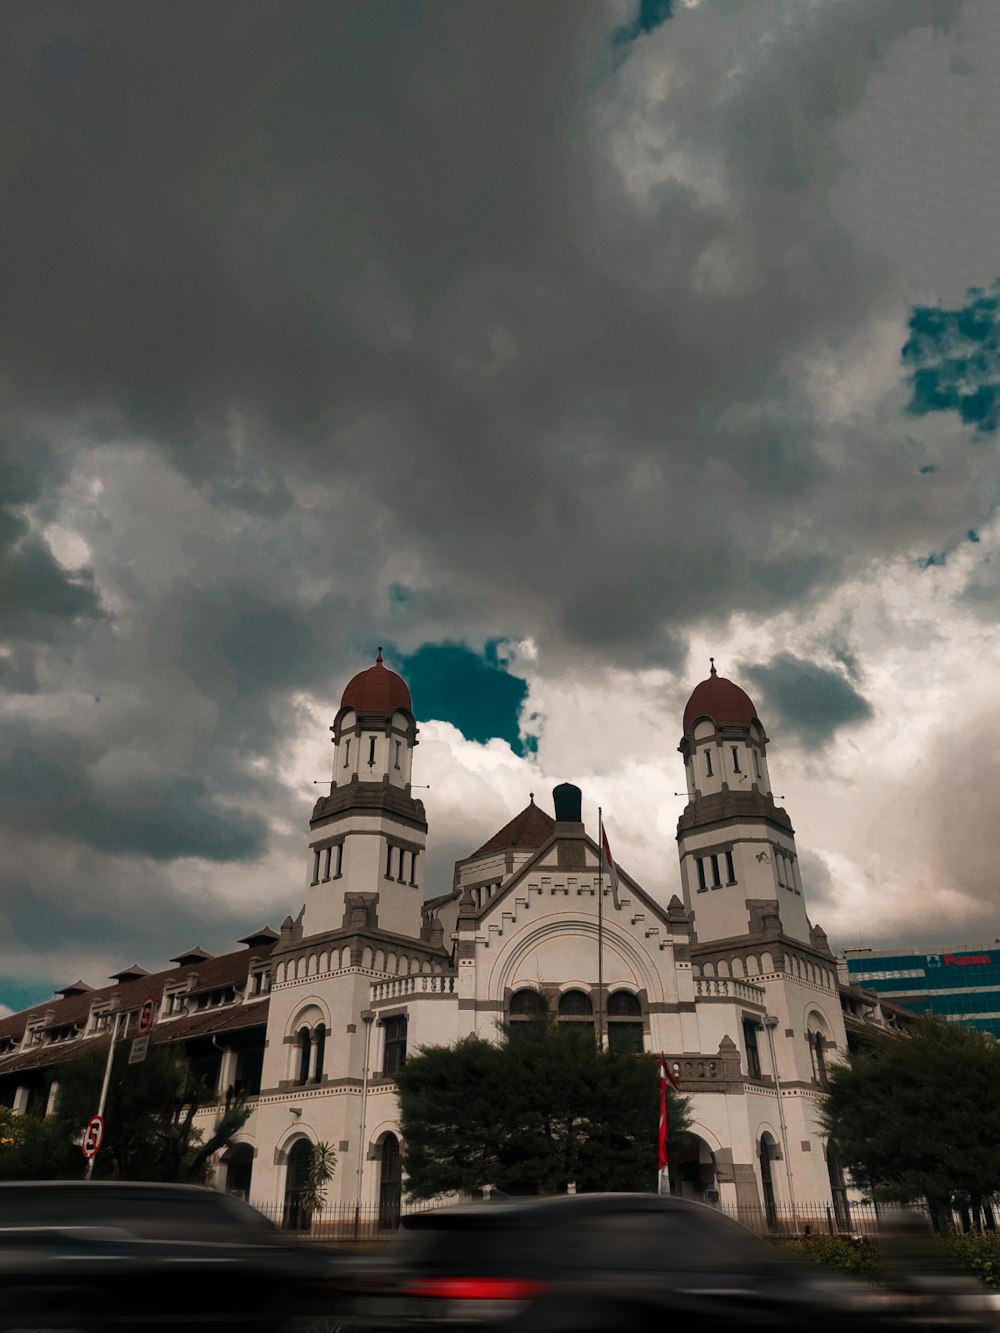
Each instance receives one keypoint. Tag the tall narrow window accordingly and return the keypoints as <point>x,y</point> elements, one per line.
<point>756,764</point>
<point>327,854</point>
<point>395,1045</point>
<point>388,861</point>
<point>752,1049</point>
<point>402,858</point>
<point>302,1043</point>
<point>398,748</point>
<point>315,878</point>
<point>347,753</point>
<point>371,752</point>
<point>340,859</point>
<point>730,868</point>
<point>699,862</point>
<point>716,881</point>
<point>319,1040</point>
<point>708,763</point>
<point>736,760</point>
<point>413,868</point>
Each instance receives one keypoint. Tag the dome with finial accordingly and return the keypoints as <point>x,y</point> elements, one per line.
<point>720,699</point>
<point>377,690</point>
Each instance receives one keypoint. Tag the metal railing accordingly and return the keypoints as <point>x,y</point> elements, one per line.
<point>378,1223</point>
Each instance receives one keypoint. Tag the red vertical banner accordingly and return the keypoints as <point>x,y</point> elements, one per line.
<point>666,1080</point>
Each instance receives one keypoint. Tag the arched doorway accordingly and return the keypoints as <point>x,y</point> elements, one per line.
<point>390,1183</point>
<point>692,1170</point>
<point>238,1163</point>
<point>768,1153</point>
<point>295,1217</point>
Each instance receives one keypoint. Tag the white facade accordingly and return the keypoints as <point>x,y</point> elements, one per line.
<point>733,983</point>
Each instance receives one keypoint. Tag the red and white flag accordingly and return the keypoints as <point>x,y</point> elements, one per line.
<point>666,1080</point>
<point>610,865</point>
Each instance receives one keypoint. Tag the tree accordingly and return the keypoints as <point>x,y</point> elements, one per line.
<point>149,1122</point>
<point>919,1117</point>
<point>532,1114</point>
<point>322,1166</point>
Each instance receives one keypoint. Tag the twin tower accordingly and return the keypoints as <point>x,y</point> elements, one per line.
<point>739,866</point>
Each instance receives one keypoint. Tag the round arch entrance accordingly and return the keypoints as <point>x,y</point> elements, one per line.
<point>692,1170</point>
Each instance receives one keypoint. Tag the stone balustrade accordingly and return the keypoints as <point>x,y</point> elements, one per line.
<point>420,984</point>
<point>728,988</point>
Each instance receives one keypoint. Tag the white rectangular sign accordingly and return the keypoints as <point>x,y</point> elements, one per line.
<point>140,1045</point>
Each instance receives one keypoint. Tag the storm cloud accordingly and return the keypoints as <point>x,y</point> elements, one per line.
<point>428,324</point>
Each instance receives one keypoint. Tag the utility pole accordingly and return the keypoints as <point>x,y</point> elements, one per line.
<point>104,1088</point>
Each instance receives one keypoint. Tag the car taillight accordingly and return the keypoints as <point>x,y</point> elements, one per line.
<point>475,1289</point>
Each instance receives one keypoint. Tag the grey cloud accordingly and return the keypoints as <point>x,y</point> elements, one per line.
<point>426,277</point>
<point>810,700</point>
<point>47,788</point>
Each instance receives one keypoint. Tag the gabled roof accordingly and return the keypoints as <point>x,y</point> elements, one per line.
<point>531,829</point>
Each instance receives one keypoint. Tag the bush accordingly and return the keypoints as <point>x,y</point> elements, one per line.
<point>977,1254</point>
<point>844,1253</point>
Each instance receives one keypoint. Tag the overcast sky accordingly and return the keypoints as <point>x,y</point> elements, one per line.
<point>554,347</point>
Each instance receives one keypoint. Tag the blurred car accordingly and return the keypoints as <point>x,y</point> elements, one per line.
<point>96,1255</point>
<point>606,1262</point>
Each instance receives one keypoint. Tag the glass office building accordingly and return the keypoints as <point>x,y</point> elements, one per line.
<point>962,985</point>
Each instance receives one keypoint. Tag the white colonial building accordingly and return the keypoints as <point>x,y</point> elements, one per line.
<point>733,983</point>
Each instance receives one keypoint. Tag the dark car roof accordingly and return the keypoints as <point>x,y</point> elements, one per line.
<point>550,1207</point>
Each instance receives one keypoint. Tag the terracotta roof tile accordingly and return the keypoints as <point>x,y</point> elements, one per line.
<point>532,829</point>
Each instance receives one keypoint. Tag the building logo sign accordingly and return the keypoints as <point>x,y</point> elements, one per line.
<point>966,959</point>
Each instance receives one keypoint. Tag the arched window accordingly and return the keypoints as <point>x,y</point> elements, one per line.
<point>390,1185</point>
<point>296,1218</point>
<point>319,1042</point>
<point>303,1042</point>
<point>528,1013</point>
<point>817,1053</point>
<point>575,1007</point>
<point>768,1151</point>
<point>624,1022</point>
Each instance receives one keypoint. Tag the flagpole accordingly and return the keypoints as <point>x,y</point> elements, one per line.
<point>600,929</point>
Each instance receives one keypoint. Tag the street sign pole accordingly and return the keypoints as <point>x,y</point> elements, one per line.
<point>104,1090</point>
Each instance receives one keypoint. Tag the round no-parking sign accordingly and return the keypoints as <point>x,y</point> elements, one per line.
<point>92,1136</point>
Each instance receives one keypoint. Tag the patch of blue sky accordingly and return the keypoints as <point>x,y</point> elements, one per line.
<point>473,691</point>
<point>954,359</point>
<point>935,558</point>
<point>19,995</point>
<point>652,15</point>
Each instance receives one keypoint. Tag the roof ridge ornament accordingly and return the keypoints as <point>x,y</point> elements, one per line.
<point>713,672</point>
<point>378,656</point>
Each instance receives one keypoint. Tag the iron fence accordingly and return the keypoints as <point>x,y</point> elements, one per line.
<point>377,1224</point>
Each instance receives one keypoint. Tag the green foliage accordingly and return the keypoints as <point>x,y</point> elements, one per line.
<point>919,1117</point>
<point>149,1122</point>
<point>541,1109</point>
<point>848,1254</point>
<point>978,1254</point>
<point>322,1166</point>
<point>11,1130</point>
